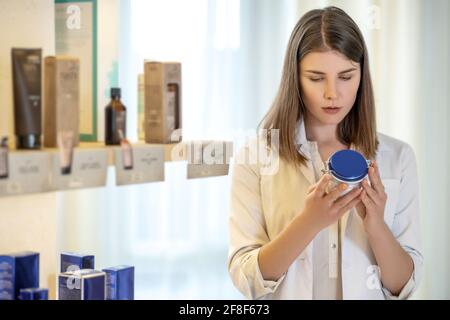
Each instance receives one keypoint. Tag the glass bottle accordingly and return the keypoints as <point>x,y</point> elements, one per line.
<point>115,119</point>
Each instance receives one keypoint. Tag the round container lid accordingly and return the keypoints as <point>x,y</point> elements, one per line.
<point>348,165</point>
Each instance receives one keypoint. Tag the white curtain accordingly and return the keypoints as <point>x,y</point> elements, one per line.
<point>175,232</point>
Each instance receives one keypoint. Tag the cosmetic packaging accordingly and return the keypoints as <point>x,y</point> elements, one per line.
<point>27,97</point>
<point>115,119</point>
<point>127,154</point>
<point>4,164</point>
<point>65,145</point>
<point>61,99</point>
<point>162,102</point>
<point>18,271</point>
<point>141,107</point>
<point>347,166</point>
<point>33,294</point>
<point>85,284</point>
<point>119,283</point>
<point>71,261</point>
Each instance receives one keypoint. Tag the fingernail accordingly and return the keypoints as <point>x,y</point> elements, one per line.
<point>344,186</point>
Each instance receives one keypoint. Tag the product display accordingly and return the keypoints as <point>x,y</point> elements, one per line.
<point>4,167</point>
<point>65,145</point>
<point>18,271</point>
<point>172,107</point>
<point>141,107</point>
<point>54,83</point>
<point>27,97</point>
<point>115,119</point>
<point>33,294</point>
<point>119,283</point>
<point>71,261</point>
<point>162,101</point>
<point>83,284</point>
<point>61,99</point>
<point>127,154</point>
<point>349,167</point>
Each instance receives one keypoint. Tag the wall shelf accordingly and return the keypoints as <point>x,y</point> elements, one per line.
<point>38,171</point>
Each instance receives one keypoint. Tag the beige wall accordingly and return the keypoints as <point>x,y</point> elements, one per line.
<point>28,24</point>
<point>29,223</point>
<point>26,222</point>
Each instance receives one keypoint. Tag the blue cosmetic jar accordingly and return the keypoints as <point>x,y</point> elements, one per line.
<point>347,166</point>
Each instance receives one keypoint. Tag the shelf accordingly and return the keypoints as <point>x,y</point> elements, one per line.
<point>168,148</point>
<point>37,171</point>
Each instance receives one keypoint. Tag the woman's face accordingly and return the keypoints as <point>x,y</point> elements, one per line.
<point>329,84</point>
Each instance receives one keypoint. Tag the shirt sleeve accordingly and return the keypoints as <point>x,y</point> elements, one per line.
<point>406,225</point>
<point>247,229</point>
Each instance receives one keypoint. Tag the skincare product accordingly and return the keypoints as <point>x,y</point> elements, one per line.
<point>347,166</point>
<point>27,97</point>
<point>85,284</point>
<point>18,271</point>
<point>4,167</point>
<point>119,283</point>
<point>65,145</point>
<point>115,118</point>
<point>127,153</point>
<point>61,99</point>
<point>33,294</point>
<point>71,261</point>
<point>141,107</point>
<point>172,107</point>
<point>162,102</point>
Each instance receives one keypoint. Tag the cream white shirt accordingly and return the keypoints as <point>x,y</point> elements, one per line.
<point>266,196</point>
<point>326,255</point>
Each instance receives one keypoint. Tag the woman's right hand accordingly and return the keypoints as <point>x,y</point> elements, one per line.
<point>324,209</point>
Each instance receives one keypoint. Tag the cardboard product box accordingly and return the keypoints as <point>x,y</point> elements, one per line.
<point>18,271</point>
<point>61,101</point>
<point>85,284</point>
<point>33,294</point>
<point>163,101</point>
<point>69,260</point>
<point>119,283</point>
<point>141,107</point>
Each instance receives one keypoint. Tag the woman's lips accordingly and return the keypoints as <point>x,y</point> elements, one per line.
<point>331,110</point>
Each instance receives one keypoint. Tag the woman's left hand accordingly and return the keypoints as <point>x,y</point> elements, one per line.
<point>373,200</point>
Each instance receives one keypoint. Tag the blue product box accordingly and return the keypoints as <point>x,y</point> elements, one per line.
<point>71,261</point>
<point>119,283</point>
<point>18,271</point>
<point>85,284</point>
<point>33,294</point>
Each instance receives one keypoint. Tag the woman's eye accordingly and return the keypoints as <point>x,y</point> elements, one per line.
<point>315,79</point>
<point>346,78</point>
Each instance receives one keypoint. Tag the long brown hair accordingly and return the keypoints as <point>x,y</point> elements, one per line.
<point>323,30</point>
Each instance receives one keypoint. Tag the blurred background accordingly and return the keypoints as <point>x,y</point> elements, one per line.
<point>176,232</point>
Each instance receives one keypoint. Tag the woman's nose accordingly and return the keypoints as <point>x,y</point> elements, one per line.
<point>330,91</point>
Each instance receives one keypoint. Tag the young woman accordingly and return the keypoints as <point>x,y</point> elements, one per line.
<point>291,237</point>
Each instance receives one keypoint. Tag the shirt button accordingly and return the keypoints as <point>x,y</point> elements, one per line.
<point>333,246</point>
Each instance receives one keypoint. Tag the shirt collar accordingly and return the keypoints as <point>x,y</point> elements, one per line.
<point>300,134</point>
<point>301,140</point>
